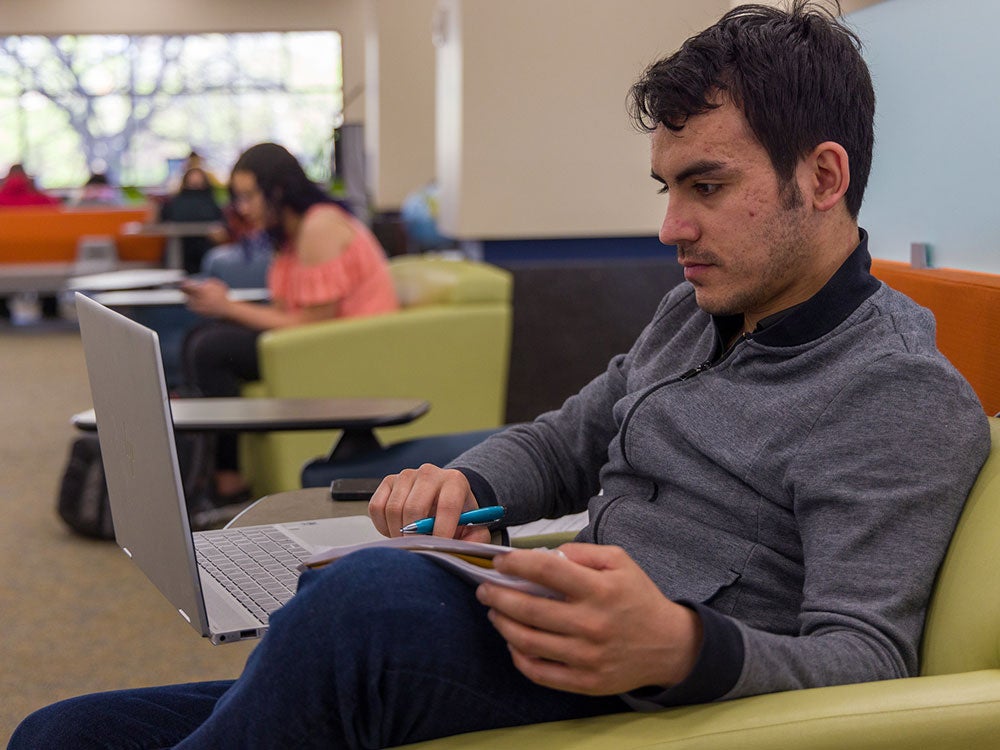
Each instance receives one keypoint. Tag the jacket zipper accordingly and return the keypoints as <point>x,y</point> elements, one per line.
<point>693,372</point>
<point>679,379</point>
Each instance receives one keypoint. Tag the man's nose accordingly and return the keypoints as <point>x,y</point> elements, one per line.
<point>678,225</point>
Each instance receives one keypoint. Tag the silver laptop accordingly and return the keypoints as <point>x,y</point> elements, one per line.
<point>225,583</point>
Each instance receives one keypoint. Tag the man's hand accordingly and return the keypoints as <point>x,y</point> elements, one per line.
<point>208,297</point>
<point>614,632</point>
<point>420,493</point>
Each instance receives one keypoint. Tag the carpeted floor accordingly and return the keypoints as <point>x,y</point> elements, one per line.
<point>78,616</point>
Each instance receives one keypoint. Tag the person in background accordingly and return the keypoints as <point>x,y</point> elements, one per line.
<point>194,202</point>
<point>243,255</point>
<point>328,265</point>
<point>18,189</point>
<point>194,160</point>
<point>98,191</point>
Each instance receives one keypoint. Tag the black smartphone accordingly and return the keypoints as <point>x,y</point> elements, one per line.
<point>353,489</point>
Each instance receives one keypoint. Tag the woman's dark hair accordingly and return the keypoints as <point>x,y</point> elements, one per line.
<point>797,76</point>
<point>282,181</point>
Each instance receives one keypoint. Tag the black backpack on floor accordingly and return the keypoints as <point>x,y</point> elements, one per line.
<point>83,492</point>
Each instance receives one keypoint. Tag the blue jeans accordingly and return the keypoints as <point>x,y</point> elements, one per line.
<point>380,649</point>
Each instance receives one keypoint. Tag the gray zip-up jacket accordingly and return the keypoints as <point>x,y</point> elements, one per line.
<point>798,490</point>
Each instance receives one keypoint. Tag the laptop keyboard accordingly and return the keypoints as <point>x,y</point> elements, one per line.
<point>256,565</point>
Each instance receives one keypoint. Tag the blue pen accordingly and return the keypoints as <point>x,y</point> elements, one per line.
<point>478,517</point>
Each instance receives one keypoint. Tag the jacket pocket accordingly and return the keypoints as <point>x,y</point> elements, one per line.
<point>714,587</point>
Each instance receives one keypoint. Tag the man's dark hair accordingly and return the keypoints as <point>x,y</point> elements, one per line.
<point>797,76</point>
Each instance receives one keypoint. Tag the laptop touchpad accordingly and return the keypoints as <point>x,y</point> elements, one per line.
<point>332,532</point>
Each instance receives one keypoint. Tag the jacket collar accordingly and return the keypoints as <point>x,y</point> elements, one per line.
<point>851,285</point>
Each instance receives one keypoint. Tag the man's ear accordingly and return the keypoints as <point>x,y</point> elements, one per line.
<point>830,174</point>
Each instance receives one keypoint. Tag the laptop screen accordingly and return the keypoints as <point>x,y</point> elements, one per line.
<point>135,429</point>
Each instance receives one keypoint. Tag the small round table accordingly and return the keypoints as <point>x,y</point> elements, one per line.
<point>298,505</point>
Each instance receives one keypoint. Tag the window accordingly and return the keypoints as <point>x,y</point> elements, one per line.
<point>135,106</point>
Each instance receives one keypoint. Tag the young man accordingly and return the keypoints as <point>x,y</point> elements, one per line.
<point>767,453</point>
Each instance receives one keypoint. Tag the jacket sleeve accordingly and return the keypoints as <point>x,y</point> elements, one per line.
<point>550,467</point>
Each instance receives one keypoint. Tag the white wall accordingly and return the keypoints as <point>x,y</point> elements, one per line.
<point>846,6</point>
<point>936,73</point>
<point>399,118</point>
<point>533,138</point>
<point>154,17</point>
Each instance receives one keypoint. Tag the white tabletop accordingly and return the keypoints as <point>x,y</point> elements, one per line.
<point>150,297</point>
<point>138,278</point>
<point>173,228</point>
<point>269,414</point>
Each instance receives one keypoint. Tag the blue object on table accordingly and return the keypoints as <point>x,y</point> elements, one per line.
<point>478,517</point>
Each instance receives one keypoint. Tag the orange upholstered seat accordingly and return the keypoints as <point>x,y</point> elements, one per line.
<point>967,307</point>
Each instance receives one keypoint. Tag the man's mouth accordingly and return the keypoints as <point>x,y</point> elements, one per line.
<point>695,268</point>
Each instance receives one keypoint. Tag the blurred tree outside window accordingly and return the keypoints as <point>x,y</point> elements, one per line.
<point>135,106</point>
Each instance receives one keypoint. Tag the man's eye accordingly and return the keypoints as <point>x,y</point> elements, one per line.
<point>706,188</point>
<point>663,190</point>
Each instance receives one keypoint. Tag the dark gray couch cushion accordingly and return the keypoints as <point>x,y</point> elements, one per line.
<point>570,318</point>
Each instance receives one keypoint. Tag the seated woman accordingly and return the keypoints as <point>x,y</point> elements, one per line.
<point>328,265</point>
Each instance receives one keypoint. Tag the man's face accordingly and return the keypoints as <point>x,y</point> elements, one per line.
<point>744,240</point>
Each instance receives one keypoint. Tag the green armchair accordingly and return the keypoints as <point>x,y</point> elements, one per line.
<point>449,345</point>
<point>953,705</point>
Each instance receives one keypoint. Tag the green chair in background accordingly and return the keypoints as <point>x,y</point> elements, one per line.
<point>953,705</point>
<point>449,345</point>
